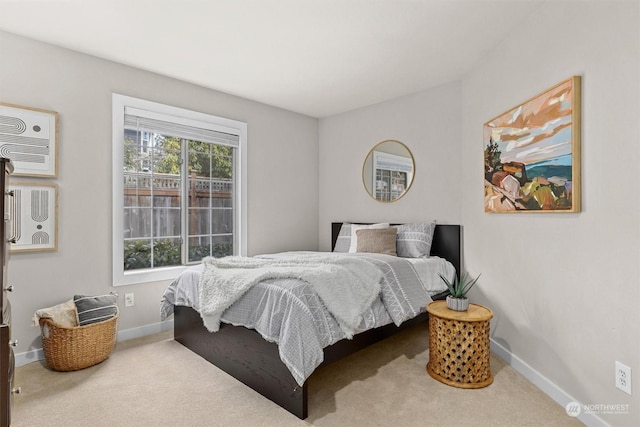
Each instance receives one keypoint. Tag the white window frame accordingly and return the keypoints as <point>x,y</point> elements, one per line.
<point>180,115</point>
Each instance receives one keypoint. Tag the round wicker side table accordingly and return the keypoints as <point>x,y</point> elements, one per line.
<point>459,348</point>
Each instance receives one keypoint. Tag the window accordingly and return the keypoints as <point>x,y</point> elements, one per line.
<point>179,189</point>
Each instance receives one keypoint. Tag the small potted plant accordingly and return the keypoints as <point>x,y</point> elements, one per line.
<point>458,289</point>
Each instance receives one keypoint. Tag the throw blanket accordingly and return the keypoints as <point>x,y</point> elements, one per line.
<point>346,285</point>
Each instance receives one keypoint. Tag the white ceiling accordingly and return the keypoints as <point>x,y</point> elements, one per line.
<point>315,57</point>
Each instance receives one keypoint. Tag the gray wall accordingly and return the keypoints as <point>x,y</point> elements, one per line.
<point>428,123</point>
<point>564,288</point>
<point>282,174</point>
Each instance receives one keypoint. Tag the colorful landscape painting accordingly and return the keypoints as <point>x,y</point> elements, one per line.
<point>532,154</point>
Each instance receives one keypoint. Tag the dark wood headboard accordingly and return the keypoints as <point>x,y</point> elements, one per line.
<point>446,242</point>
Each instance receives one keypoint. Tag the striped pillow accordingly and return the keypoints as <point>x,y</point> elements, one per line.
<point>93,309</point>
<point>414,240</point>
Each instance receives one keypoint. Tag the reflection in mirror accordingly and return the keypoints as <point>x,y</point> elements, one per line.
<point>387,172</point>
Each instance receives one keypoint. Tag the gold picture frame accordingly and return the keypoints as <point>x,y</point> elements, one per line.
<point>29,137</point>
<point>33,215</point>
<point>532,153</point>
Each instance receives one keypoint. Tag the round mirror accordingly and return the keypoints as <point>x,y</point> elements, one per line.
<point>387,172</point>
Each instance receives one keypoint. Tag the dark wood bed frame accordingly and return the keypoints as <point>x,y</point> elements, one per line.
<point>248,357</point>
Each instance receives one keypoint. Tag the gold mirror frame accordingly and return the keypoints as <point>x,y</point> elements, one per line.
<point>396,178</point>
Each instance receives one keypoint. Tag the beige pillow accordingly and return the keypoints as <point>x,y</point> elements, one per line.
<point>379,241</point>
<point>353,247</point>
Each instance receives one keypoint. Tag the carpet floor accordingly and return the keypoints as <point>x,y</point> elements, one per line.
<point>155,381</point>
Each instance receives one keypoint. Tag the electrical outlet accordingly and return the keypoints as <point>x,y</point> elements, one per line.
<point>623,377</point>
<point>128,300</point>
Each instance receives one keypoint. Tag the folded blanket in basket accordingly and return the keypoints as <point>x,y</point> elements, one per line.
<point>347,286</point>
<point>63,314</point>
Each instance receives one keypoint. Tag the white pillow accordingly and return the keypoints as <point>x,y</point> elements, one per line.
<point>353,248</point>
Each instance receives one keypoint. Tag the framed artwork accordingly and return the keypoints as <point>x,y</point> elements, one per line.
<point>29,137</point>
<point>33,211</point>
<point>532,154</point>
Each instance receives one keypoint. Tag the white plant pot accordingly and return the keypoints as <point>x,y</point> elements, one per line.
<point>457,304</point>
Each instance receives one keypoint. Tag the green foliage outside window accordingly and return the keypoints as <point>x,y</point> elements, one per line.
<point>209,160</point>
<point>137,253</point>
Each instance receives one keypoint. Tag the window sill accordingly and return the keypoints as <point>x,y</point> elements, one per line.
<point>148,275</point>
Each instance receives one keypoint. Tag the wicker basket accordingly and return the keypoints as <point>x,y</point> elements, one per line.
<point>71,349</point>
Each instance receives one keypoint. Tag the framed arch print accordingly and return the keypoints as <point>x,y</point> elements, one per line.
<point>33,213</point>
<point>29,137</point>
<point>532,154</point>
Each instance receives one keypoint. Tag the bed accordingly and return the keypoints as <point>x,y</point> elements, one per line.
<point>246,355</point>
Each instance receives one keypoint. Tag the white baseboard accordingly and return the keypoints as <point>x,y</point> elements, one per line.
<point>37,354</point>
<point>543,383</point>
<point>29,357</point>
<point>143,331</point>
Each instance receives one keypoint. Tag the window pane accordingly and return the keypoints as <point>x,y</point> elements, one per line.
<point>166,222</point>
<point>167,252</point>
<point>221,221</point>
<point>135,199</point>
<point>137,254</point>
<point>222,188</point>
<point>166,160</point>
<point>168,198</point>
<point>137,223</point>
<point>137,151</point>
<point>199,247</point>
<point>137,188</point>
<point>222,246</point>
<point>222,200</point>
<point>200,160</point>
<point>199,191</point>
<point>199,221</point>
<point>222,162</point>
<point>200,147</point>
<point>132,152</point>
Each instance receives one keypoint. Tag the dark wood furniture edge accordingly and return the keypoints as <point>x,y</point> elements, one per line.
<point>6,375</point>
<point>7,361</point>
<point>245,355</point>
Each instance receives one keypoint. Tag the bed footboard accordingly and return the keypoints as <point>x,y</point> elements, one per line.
<point>245,355</point>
